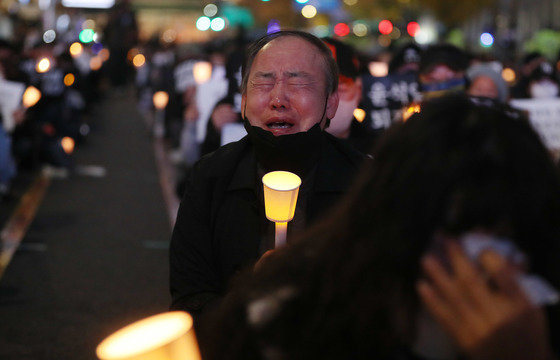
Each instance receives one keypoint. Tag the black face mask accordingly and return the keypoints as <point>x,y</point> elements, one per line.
<point>297,153</point>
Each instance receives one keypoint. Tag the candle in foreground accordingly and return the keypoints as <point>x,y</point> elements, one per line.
<point>167,336</point>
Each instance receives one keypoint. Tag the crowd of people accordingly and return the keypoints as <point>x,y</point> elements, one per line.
<point>50,81</point>
<point>426,225</point>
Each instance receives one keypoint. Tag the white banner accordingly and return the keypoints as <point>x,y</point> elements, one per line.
<point>544,115</point>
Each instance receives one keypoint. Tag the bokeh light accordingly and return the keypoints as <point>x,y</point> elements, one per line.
<point>210,10</point>
<point>160,100</point>
<point>350,2</point>
<point>412,28</point>
<point>384,40</point>
<point>360,29</point>
<point>31,96</point>
<point>385,27</point>
<point>508,74</point>
<point>43,65</point>
<point>86,36</point>
<point>202,71</point>
<point>95,63</point>
<point>360,114</point>
<point>341,29</point>
<point>309,11</point>
<point>69,79</point>
<point>132,53</point>
<point>104,54</point>
<point>395,34</point>
<point>378,68</point>
<point>273,26</point>
<point>138,60</point>
<point>76,49</point>
<point>218,24</point>
<point>203,23</point>
<point>169,36</point>
<point>486,39</point>
<point>88,24</point>
<point>321,31</point>
<point>49,36</point>
<point>67,144</point>
<point>301,1</point>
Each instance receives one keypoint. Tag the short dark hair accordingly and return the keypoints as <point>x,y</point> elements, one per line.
<point>330,67</point>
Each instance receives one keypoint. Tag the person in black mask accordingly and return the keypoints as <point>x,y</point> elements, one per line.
<point>289,95</point>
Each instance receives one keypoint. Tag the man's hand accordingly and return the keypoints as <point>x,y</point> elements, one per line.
<point>223,114</point>
<point>485,311</point>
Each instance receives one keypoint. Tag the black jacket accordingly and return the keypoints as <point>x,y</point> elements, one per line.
<point>221,221</point>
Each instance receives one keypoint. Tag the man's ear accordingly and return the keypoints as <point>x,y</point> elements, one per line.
<point>332,105</point>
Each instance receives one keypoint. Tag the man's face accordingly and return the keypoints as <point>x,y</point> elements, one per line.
<point>286,90</point>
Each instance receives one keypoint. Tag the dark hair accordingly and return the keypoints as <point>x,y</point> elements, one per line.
<point>345,56</point>
<point>346,289</point>
<point>329,66</point>
<point>446,54</point>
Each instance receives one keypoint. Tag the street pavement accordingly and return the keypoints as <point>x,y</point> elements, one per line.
<point>94,258</point>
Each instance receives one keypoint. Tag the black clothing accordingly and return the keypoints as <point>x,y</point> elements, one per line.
<point>221,224</point>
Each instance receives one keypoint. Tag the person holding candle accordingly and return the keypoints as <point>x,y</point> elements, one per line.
<point>447,247</point>
<point>289,94</point>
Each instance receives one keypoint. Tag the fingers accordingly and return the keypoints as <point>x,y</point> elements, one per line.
<point>502,274</point>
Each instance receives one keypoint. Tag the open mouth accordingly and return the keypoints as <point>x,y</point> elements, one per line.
<point>279,125</point>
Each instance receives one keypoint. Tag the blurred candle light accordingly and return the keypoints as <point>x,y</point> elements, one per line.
<point>31,96</point>
<point>67,144</point>
<point>360,114</point>
<point>160,99</point>
<point>167,336</point>
<point>43,65</point>
<point>378,68</point>
<point>280,197</point>
<point>202,71</point>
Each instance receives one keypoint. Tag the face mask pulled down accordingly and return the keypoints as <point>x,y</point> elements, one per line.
<point>297,153</point>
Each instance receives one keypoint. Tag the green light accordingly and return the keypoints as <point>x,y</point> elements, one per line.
<point>86,35</point>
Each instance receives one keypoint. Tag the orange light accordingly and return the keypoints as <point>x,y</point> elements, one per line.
<point>508,75</point>
<point>139,60</point>
<point>31,96</point>
<point>202,71</point>
<point>167,336</point>
<point>67,144</point>
<point>160,99</point>
<point>104,54</point>
<point>95,63</point>
<point>76,49</point>
<point>43,65</point>
<point>280,195</point>
<point>69,79</point>
<point>412,109</point>
<point>360,114</point>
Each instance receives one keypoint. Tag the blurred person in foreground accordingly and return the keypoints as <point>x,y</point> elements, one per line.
<point>344,124</point>
<point>428,257</point>
<point>289,94</point>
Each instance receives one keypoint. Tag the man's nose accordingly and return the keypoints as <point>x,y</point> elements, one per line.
<point>279,97</point>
